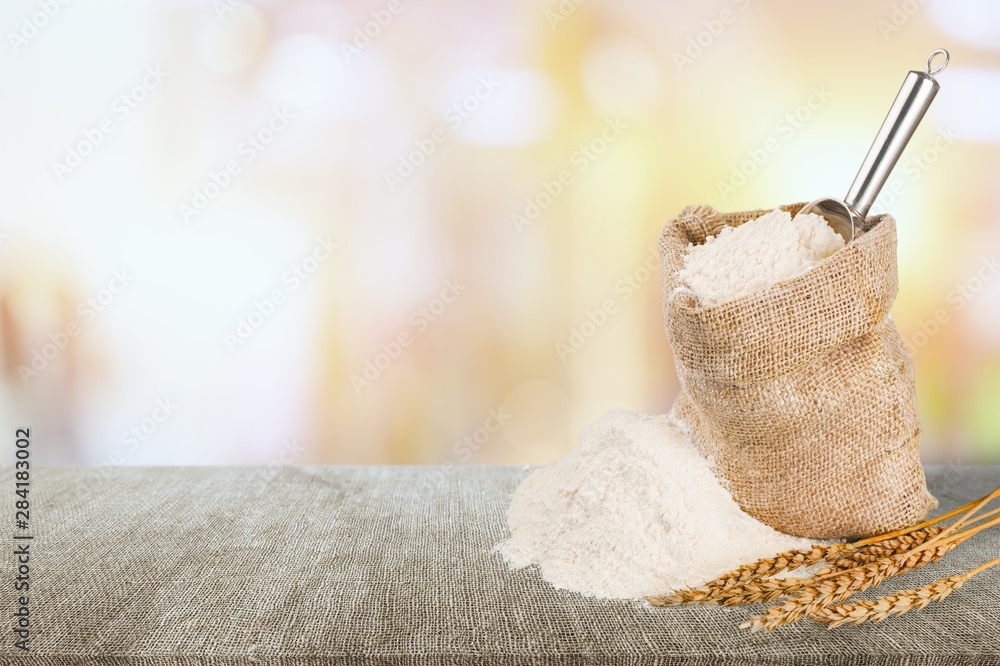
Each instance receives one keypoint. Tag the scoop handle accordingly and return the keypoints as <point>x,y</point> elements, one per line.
<point>912,101</point>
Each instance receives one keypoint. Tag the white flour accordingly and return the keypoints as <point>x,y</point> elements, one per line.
<point>757,254</point>
<point>633,511</point>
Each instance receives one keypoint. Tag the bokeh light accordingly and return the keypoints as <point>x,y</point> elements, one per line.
<point>338,232</point>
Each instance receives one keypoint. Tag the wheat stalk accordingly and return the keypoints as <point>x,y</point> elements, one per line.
<point>900,543</point>
<point>750,583</point>
<point>965,518</point>
<point>827,586</point>
<point>788,561</point>
<point>871,554</point>
<point>895,604</point>
<point>883,607</point>
<point>920,526</point>
<point>896,545</point>
<point>717,589</point>
<point>838,587</point>
<point>914,539</point>
<point>749,592</point>
<point>758,591</point>
<point>746,585</point>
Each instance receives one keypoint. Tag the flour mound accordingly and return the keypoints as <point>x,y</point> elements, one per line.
<point>757,254</point>
<point>633,511</point>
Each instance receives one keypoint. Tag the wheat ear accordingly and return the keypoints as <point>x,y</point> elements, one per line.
<point>829,585</point>
<point>748,583</point>
<point>920,526</point>
<point>840,586</point>
<point>965,517</point>
<point>874,551</point>
<point>895,604</point>
<point>716,590</point>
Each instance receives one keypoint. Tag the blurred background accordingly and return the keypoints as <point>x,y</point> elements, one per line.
<point>317,232</point>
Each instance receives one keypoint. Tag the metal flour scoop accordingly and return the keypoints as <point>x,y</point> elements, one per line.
<point>847,217</point>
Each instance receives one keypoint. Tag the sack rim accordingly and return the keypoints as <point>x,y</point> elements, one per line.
<point>857,284</point>
<point>866,237</point>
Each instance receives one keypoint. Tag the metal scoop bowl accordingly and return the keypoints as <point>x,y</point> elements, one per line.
<point>847,217</point>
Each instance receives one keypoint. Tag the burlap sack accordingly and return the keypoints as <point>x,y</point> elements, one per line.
<point>802,395</point>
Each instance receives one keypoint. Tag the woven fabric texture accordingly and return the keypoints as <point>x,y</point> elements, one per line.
<point>394,565</point>
<point>802,395</point>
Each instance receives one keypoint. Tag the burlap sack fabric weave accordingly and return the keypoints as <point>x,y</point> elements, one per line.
<point>802,395</point>
<point>359,566</point>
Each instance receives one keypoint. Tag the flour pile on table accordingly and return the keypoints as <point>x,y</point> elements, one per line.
<point>636,510</point>
<point>757,254</point>
<point>633,511</point>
